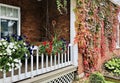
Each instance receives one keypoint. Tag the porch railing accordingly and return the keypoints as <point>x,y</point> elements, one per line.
<point>38,64</point>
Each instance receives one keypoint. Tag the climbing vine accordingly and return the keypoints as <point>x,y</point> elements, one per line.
<point>61,6</point>
<point>95,23</point>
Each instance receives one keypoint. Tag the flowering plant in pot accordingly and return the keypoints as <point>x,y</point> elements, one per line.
<point>12,50</point>
<point>53,47</point>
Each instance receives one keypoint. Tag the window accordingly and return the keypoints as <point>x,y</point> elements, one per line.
<point>9,20</point>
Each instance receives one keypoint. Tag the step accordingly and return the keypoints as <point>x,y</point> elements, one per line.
<point>47,77</point>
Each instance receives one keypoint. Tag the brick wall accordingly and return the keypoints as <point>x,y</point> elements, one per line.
<point>30,17</point>
<point>33,18</point>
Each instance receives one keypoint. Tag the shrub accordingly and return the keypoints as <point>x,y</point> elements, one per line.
<point>113,66</point>
<point>96,78</point>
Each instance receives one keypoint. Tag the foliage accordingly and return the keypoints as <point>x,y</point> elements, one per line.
<point>53,47</point>
<point>96,78</point>
<point>113,66</point>
<point>96,21</point>
<point>12,50</point>
<point>61,5</point>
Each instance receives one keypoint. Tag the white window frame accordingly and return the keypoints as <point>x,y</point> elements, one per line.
<point>11,18</point>
<point>118,33</point>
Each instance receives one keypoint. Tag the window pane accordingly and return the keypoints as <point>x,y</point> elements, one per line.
<point>9,12</point>
<point>8,27</point>
<point>3,11</point>
<point>15,12</point>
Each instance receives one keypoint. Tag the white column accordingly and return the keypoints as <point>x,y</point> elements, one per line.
<point>73,33</point>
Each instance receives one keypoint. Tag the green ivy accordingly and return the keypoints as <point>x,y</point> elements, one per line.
<point>61,6</point>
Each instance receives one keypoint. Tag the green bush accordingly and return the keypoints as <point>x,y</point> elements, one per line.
<point>96,78</point>
<point>113,66</point>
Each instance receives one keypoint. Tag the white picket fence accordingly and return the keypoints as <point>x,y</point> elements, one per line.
<point>38,64</point>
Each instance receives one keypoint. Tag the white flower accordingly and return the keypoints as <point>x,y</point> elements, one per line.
<point>13,50</point>
<point>16,60</point>
<point>0,44</point>
<point>5,43</point>
<point>11,45</point>
<point>8,64</point>
<point>24,43</point>
<point>2,40</point>
<point>10,58</point>
<point>15,47</point>
<point>15,68</point>
<point>8,51</point>
<point>1,70</point>
<point>17,65</point>
<point>10,69</point>
<point>0,53</point>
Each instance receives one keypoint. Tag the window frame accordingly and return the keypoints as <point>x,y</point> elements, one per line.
<point>11,18</point>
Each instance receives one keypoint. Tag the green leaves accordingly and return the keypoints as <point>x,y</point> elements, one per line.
<point>61,6</point>
<point>12,50</point>
<point>96,78</point>
<point>53,47</point>
<point>113,66</point>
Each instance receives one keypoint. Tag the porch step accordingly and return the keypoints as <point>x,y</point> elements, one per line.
<point>48,77</point>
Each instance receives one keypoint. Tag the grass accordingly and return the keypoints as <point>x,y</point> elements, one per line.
<point>87,81</point>
<point>109,80</point>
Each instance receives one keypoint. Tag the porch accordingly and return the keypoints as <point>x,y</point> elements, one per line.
<point>42,68</point>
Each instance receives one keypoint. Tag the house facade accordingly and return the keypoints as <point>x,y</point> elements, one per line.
<point>37,20</point>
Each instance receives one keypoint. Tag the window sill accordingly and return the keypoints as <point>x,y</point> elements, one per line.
<point>117,48</point>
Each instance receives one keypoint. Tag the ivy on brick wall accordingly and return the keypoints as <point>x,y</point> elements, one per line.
<point>96,22</point>
<point>62,6</point>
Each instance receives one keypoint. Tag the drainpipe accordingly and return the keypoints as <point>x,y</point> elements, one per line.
<point>73,33</point>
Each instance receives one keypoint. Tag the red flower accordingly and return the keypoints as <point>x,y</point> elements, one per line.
<point>87,74</point>
<point>44,43</point>
<point>50,47</point>
<point>85,62</point>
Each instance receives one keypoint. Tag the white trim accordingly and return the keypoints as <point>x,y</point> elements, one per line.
<point>0,27</point>
<point>11,18</point>
<point>10,6</point>
<point>117,43</point>
<point>118,33</point>
<point>117,2</point>
<point>73,33</point>
<point>19,22</point>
